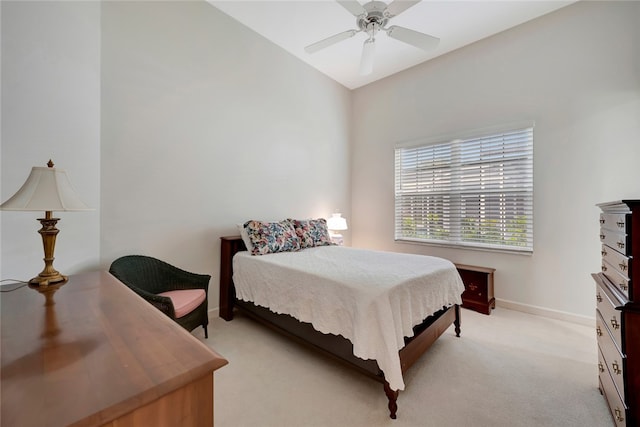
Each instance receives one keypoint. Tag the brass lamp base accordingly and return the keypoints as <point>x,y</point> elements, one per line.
<point>48,276</point>
<point>55,279</point>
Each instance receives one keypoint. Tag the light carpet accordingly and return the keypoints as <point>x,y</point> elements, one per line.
<point>506,369</point>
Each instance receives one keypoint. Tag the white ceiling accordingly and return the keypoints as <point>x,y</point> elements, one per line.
<point>294,24</point>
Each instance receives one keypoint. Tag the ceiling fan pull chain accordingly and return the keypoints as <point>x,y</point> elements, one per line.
<point>372,30</point>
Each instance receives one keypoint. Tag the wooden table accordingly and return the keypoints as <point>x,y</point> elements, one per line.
<point>100,356</point>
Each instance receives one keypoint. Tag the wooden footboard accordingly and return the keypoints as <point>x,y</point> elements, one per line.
<point>334,346</point>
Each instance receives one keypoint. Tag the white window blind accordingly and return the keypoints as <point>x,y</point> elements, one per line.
<point>473,192</point>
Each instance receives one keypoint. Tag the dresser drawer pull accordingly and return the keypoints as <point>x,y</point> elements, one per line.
<point>600,367</point>
<point>624,286</point>
<point>616,368</point>
<point>604,253</point>
<point>623,266</point>
<point>620,224</point>
<point>601,220</point>
<point>614,323</point>
<point>598,297</point>
<point>602,236</point>
<point>618,414</point>
<point>598,331</point>
<point>620,245</point>
<point>604,268</point>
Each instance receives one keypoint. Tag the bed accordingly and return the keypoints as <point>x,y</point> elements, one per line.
<point>386,351</point>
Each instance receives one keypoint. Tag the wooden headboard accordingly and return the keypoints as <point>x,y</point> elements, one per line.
<point>229,246</point>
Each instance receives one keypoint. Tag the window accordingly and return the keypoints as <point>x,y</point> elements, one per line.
<point>475,192</point>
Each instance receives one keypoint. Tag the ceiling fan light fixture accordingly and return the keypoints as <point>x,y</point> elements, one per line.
<point>366,63</point>
<point>372,29</point>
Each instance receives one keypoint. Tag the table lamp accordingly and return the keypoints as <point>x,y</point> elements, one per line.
<point>336,223</point>
<point>46,189</point>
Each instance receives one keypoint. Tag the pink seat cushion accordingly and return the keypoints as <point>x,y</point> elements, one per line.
<point>186,300</point>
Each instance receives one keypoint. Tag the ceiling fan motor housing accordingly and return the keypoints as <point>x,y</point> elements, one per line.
<point>375,18</point>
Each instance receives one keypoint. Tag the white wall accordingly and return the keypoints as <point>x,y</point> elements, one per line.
<point>50,109</point>
<point>576,73</point>
<point>205,124</point>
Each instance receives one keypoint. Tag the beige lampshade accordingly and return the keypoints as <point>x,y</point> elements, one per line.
<point>46,189</point>
<point>336,222</point>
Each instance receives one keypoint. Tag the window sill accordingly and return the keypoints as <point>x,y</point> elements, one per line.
<point>467,246</point>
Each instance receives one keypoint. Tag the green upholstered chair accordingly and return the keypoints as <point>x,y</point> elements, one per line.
<point>175,292</point>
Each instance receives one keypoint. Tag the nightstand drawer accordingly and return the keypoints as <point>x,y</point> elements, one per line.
<point>475,285</point>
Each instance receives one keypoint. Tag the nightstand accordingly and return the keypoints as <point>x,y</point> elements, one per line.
<point>478,287</point>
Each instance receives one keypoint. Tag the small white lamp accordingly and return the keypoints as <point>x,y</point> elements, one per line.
<point>336,223</point>
<point>46,189</point>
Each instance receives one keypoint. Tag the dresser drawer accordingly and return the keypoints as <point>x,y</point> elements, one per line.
<point>621,242</point>
<point>613,360</point>
<point>618,280</point>
<point>616,260</point>
<point>608,318</point>
<point>616,222</point>
<point>616,405</point>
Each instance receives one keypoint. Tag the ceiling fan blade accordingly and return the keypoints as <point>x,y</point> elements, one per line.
<point>396,7</point>
<point>354,7</point>
<point>312,48</point>
<point>414,38</point>
<point>366,63</point>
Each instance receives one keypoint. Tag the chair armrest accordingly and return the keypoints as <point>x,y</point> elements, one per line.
<point>180,279</point>
<point>162,303</point>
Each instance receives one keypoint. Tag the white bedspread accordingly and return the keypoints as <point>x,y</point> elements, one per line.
<point>372,298</point>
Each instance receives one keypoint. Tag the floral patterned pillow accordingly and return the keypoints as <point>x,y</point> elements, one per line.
<point>312,232</point>
<point>271,237</point>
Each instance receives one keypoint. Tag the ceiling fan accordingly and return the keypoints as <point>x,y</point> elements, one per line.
<point>372,17</point>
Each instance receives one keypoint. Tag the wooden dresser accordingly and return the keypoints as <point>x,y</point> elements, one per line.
<point>618,310</point>
<point>100,356</point>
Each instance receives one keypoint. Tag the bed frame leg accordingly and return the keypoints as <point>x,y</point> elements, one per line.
<point>392,395</point>
<point>457,321</point>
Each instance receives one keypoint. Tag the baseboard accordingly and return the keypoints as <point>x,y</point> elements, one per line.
<point>547,312</point>
<point>214,312</point>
